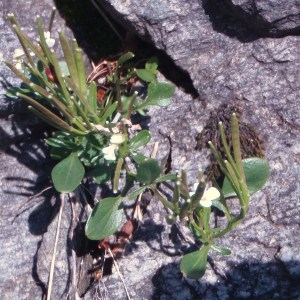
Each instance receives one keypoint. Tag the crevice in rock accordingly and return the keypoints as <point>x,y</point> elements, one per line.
<point>143,50</point>
<point>34,272</point>
<point>89,34</point>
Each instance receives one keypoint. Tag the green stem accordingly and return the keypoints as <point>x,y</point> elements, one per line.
<point>130,106</point>
<point>117,175</point>
<point>69,57</point>
<point>235,132</point>
<point>56,102</point>
<point>48,115</point>
<point>83,100</point>
<point>176,196</point>
<point>80,71</point>
<point>226,148</point>
<point>25,42</point>
<point>165,202</point>
<point>184,186</point>
<point>231,225</point>
<point>61,82</point>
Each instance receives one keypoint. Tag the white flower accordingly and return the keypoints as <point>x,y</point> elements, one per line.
<point>18,53</point>
<point>17,58</point>
<point>50,42</point>
<point>208,196</point>
<point>115,141</point>
<point>109,152</point>
<point>117,138</point>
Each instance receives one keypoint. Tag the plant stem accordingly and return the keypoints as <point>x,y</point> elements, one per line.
<point>117,175</point>
<point>165,202</point>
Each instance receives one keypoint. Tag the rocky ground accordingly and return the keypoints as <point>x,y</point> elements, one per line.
<point>242,52</point>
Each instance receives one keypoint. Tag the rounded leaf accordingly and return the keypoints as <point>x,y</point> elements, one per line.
<point>193,265</point>
<point>148,171</point>
<point>125,57</point>
<point>105,218</point>
<point>152,64</point>
<point>160,93</point>
<point>139,140</point>
<point>222,250</point>
<point>256,173</point>
<point>146,75</point>
<point>67,174</point>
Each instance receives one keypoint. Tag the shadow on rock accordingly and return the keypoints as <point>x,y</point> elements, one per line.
<point>224,21</point>
<point>96,37</point>
<point>253,280</point>
<point>91,31</point>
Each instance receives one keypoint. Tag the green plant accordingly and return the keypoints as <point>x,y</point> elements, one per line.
<point>94,134</point>
<point>96,138</point>
<point>242,179</point>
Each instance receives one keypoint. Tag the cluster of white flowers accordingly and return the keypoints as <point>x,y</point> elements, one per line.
<point>115,140</point>
<point>19,53</point>
<point>18,58</point>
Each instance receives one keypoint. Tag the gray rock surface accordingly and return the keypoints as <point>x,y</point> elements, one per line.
<point>229,60</point>
<point>246,57</point>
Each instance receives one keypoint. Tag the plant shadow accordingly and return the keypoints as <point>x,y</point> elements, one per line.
<point>233,21</point>
<point>248,280</point>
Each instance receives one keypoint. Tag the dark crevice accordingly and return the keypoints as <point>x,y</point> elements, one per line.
<point>35,274</point>
<point>143,50</point>
<point>91,31</point>
<point>98,40</point>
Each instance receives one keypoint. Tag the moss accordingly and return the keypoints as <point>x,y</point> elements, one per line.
<point>251,143</point>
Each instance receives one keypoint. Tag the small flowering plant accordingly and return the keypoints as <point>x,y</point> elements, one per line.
<point>97,138</point>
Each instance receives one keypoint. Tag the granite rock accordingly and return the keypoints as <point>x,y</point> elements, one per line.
<point>234,52</point>
<point>241,52</point>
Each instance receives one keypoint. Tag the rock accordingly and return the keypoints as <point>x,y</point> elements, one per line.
<point>217,53</point>
<point>236,52</point>
<point>25,167</point>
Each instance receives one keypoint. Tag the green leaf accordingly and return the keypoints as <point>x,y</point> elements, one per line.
<point>217,203</point>
<point>125,57</point>
<point>222,250</point>
<point>101,174</point>
<point>160,93</point>
<point>67,174</point>
<point>195,231</point>
<point>148,171</point>
<point>145,75</point>
<point>59,153</point>
<point>256,173</point>
<point>105,218</point>
<point>152,64</point>
<point>92,96</point>
<point>193,265</point>
<point>137,192</point>
<point>166,177</point>
<point>108,112</point>
<point>138,157</point>
<point>139,140</point>
<point>62,143</point>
